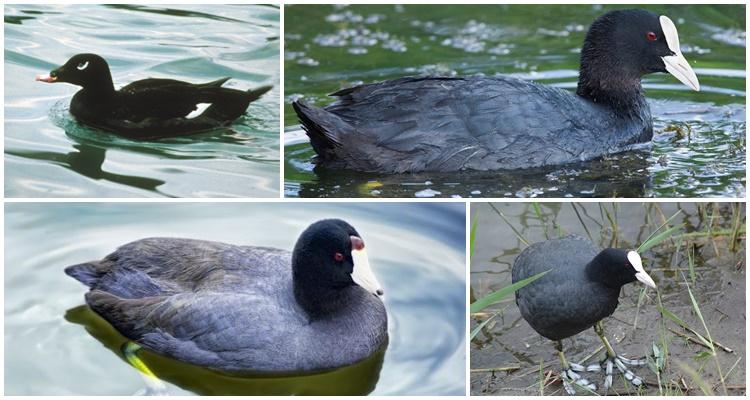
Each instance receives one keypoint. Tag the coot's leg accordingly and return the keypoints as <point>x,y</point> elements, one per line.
<point>154,385</point>
<point>613,360</point>
<point>569,374</point>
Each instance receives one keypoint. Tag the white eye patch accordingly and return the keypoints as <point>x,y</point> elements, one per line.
<point>635,261</point>
<point>83,66</point>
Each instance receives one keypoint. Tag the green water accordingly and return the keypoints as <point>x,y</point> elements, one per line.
<point>54,345</point>
<point>48,154</point>
<point>328,47</point>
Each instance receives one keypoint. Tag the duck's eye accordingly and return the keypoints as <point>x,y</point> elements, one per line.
<point>651,36</point>
<point>338,257</point>
<point>83,66</point>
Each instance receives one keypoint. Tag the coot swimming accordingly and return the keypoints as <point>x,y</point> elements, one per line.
<point>244,308</point>
<point>492,123</point>
<point>149,108</point>
<point>580,290</point>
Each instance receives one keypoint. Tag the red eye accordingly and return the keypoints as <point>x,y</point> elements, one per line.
<point>338,257</point>
<point>651,36</point>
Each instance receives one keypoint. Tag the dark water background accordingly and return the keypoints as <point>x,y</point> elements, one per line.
<point>415,250</point>
<point>47,154</point>
<point>328,47</point>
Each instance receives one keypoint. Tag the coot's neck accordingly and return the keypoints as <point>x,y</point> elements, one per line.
<point>320,302</point>
<point>606,76</point>
<point>623,94</point>
<point>100,87</point>
<point>314,293</point>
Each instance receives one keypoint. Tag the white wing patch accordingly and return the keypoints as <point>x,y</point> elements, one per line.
<point>199,109</point>
<point>83,66</point>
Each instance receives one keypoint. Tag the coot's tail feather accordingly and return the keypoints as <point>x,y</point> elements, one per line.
<point>126,315</point>
<point>254,94</point>
<point>229,104</point>
<point>321,128</point>
<point>87,273</point>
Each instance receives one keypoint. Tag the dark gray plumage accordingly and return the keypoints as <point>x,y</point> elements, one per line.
<point>448,124</point>
<point>234,308</point>
<point>569,299</point>
<point>503,123</point>
<point>581,288</point>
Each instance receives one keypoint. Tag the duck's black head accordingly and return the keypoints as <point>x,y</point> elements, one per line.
<point>89,71</point>
<point>330,256</point>
<point>617,267</point>
<point>623,45</point>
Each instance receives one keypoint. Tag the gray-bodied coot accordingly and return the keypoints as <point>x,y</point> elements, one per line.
<point>148,108</point>
<point>493,123</point>
<point>244,308</point>
<point>581,288</point>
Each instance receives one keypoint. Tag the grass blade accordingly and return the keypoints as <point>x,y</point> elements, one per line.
<point>540,217</point>
<point>513,228</point>
<point>662,225</point>
<point>479,327</point>
<point>705,387</point>
<point>656,240</point>
<point>682,323</point>
<point>494,297</point>
<point>698,312</point>
<point>582,223</point>
<point>473,235</point>
<point>691,262</point>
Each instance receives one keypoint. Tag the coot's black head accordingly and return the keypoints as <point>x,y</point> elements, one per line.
<point>623,45</point>
<point>87,70</point>
<point>329,256</point>
<point>618,267</point>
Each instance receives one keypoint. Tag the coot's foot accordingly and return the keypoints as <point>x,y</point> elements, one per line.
<point>572,380</point>
<point>620,363</point>
<point>612,361</point>
<point>570,377</point>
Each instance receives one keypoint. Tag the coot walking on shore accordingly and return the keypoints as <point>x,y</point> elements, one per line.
<point>581,289</point>
<point>244,308</point>
<point>494,123</point>
<point>149,108</point>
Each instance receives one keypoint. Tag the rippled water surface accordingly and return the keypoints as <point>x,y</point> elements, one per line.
<point>416,251</point>
<point>699,144</point>
<point>48,154</point>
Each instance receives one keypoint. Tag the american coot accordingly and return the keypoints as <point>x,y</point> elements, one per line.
<point>243,308</point>
<point>580,290</point>
<point>492,123</point>
<point>148,108</point>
